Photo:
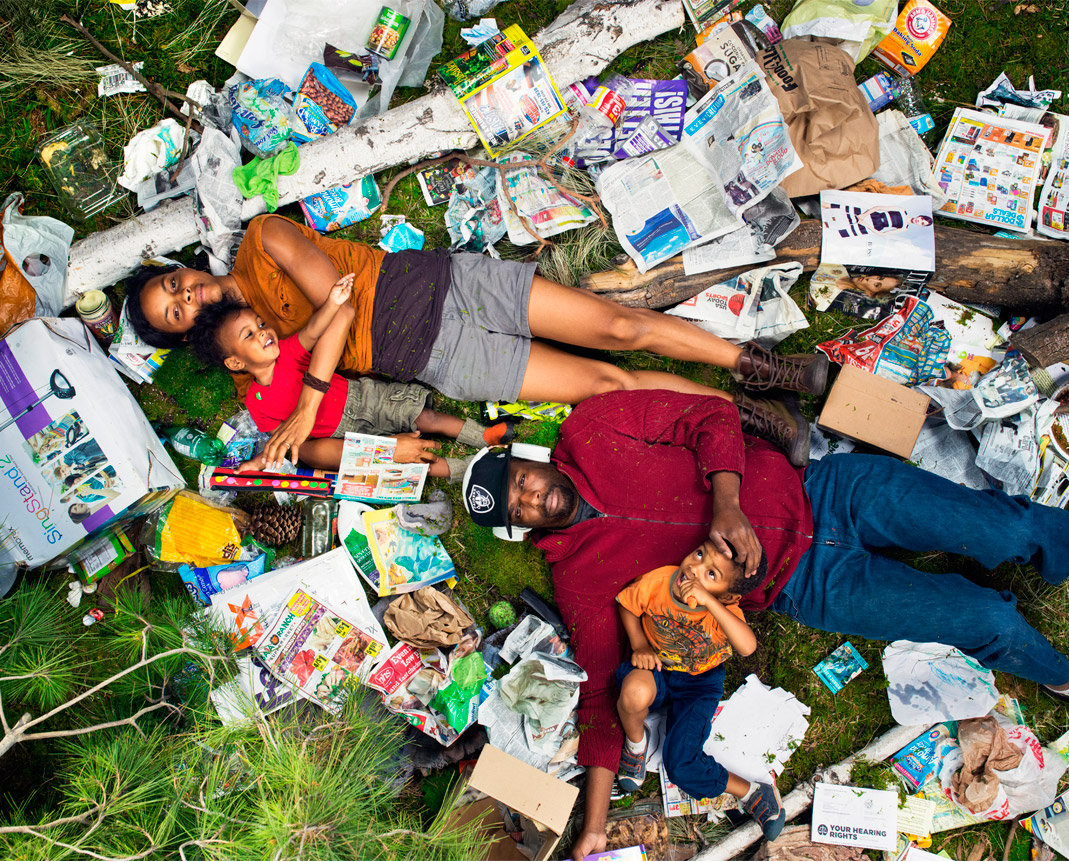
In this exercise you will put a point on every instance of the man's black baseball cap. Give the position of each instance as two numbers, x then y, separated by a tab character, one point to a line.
486	488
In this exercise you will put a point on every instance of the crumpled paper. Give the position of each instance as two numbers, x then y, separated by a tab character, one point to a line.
149	152
427	619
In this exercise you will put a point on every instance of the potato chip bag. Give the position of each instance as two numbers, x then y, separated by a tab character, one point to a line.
919	31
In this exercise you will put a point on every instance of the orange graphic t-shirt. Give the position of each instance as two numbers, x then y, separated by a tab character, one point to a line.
686	640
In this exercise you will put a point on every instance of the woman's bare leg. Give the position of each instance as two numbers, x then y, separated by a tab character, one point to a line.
553	375
574	316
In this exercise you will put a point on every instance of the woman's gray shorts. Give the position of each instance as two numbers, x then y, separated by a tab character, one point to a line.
381	407
484	342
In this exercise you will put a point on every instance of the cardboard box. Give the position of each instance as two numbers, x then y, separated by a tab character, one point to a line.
543	802
871	409
71	465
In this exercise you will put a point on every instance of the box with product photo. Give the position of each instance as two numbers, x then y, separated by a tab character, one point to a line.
871	409
538	805
76	452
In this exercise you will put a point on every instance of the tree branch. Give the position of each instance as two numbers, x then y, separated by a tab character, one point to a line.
82	818
130	720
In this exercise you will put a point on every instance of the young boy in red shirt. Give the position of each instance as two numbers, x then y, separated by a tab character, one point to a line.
231	335
683	623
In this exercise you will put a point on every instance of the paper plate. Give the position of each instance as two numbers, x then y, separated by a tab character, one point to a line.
1059	426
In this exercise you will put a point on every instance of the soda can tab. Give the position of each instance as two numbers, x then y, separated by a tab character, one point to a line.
387	33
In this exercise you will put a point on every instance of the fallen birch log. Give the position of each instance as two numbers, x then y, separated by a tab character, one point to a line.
582	41
799	799
1027	276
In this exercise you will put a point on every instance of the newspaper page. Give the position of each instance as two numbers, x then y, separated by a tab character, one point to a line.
874	248
767	224
1054	199
318	652
135	358
541	205
253	693
504	88
664	202
737	130
368	472
988	167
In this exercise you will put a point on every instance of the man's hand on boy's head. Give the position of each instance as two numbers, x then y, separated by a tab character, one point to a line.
646	658
730	525
342	289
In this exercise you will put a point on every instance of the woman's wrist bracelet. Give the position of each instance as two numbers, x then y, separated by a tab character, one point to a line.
315	383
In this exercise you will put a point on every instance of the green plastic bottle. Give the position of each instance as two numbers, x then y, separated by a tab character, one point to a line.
193	444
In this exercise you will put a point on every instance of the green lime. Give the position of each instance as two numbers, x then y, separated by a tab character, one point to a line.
502	615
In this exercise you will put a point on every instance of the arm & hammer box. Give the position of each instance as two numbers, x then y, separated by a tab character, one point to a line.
543	805
71	462
871	409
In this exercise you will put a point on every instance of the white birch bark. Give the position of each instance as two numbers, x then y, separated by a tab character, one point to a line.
582	41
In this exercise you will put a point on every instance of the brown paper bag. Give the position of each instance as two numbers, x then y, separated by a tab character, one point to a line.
427	619
830	122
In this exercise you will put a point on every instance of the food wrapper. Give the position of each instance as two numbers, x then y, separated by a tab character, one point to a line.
341	206
919	31
552	410
365	66
191	530
322	103
261	114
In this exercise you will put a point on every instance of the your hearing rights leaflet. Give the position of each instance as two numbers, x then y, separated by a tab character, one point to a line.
855	817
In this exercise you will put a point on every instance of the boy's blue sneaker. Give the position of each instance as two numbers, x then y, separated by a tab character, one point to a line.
763	805
632	767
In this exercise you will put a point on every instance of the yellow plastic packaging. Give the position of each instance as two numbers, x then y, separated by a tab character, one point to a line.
192	530
918	32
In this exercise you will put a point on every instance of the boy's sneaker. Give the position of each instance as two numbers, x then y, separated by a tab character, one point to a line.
763	805
632	767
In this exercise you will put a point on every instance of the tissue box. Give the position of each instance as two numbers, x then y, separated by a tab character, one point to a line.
70	466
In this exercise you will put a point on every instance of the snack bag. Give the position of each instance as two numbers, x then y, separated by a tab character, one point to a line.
322	103
919	31
261	114
191	530
341	206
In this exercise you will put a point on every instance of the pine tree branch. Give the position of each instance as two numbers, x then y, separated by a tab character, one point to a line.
130	720
82	818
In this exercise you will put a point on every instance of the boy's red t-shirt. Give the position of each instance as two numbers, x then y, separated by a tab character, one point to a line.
687	640
271	405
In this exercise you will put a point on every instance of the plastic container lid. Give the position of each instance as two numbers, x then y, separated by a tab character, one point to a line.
79	168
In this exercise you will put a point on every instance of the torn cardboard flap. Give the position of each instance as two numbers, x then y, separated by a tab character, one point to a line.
523	788
871	409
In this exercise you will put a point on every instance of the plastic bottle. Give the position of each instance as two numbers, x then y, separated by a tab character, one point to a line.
193	444
908	100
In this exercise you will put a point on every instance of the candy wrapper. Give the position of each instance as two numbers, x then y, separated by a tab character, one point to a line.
341	206
365	66
402	236
261	114
322	103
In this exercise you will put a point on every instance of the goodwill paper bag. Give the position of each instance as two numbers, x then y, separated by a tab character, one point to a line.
830	123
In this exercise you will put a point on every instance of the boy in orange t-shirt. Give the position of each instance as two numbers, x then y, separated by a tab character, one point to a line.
683	623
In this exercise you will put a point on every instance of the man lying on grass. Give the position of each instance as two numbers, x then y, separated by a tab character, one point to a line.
639	479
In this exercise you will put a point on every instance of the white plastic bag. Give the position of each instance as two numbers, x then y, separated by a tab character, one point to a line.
39	245
931	682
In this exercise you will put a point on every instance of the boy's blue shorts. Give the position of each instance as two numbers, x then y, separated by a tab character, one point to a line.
678	685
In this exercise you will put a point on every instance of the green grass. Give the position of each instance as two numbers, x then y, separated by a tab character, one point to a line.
46	81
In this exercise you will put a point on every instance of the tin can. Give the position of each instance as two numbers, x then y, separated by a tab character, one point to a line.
96	311
387	33
605	106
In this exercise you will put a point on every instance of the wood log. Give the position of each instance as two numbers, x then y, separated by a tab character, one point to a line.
581	41
1046	343
1026	276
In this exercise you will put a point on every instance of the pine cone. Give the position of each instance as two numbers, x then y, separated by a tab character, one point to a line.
274	525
